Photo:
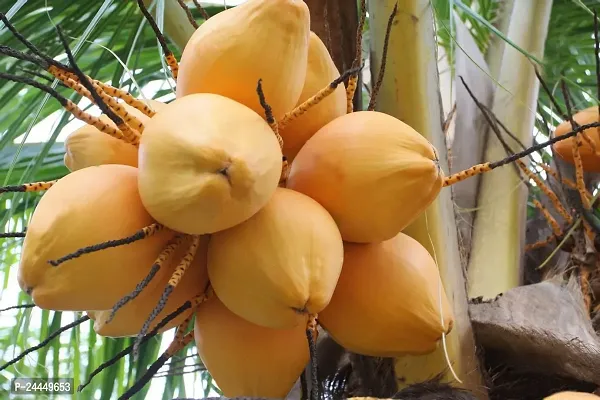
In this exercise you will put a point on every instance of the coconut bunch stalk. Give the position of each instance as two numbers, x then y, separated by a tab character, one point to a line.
197	204
88	146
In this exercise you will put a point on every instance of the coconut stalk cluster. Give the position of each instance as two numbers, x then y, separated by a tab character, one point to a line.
257	189
258	197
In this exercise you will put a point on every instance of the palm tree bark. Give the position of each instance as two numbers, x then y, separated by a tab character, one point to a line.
499	227
336	22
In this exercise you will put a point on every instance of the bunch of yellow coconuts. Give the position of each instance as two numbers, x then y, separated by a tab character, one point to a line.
326	241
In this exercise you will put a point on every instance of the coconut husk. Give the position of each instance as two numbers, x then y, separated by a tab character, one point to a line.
541	328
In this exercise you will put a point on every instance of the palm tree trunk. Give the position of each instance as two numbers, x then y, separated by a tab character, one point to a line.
499	229
335	22
410	92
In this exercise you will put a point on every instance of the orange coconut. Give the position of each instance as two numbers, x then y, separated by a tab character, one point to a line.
372	172
321	71
280	265
87	146
86	207
207	163
258	39
564	148
568	395
248	360
389	300
129	319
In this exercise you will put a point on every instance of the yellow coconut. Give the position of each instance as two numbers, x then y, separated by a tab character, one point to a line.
207	163
564	148
280	265
321	72
572	396
258	39
129	319
86	207
248	360
389	300
372	172
87	146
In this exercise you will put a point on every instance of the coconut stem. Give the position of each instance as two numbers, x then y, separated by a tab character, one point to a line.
201	9
549	218
317	98
139	235
130	135
85	81
12	235
386	42
161	259
29	187
540	183
353	80
173	65
304	387
108	89
540	243
311	330
193	304
55	68
18	307
188	13
565	181
29	45
169	57
585	208
577	143
268	112
126	97
488	166
45	342
275	127
16	54
68	105
173	348
172	284
547	191
129	120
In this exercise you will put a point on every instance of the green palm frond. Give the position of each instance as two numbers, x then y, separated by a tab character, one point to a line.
473	12
569	52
